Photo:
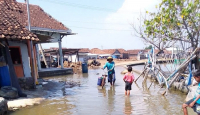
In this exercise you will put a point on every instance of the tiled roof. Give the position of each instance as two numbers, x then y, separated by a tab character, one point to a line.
10	27
122	51
84	50
39	18
97	51
133	51
109	51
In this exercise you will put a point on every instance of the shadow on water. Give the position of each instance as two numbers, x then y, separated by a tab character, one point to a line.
90	99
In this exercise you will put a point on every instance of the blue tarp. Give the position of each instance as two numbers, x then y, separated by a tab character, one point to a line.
189	79
4	76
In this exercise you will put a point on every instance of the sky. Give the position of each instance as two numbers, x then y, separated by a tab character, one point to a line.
104	24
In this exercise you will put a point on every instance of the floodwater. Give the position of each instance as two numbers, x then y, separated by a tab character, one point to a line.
89	99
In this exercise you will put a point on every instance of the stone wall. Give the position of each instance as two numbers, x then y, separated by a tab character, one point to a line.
26	83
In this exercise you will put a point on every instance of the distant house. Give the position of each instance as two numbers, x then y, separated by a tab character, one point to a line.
100	53
113	52
83	54
133	54
124	53
117	53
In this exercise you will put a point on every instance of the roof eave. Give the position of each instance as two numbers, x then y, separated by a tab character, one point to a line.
62	32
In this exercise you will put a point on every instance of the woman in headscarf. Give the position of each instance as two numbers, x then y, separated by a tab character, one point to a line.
110	65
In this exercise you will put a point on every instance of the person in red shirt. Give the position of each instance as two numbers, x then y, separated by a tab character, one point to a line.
128	79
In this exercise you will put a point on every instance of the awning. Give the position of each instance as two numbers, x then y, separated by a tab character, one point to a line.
65	51
62	32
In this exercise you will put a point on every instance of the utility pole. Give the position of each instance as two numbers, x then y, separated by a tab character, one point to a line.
31	42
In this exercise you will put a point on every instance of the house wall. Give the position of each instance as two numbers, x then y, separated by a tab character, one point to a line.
133	56
125	56
82	58
25	57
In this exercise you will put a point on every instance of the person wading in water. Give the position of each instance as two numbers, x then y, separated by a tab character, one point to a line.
110	65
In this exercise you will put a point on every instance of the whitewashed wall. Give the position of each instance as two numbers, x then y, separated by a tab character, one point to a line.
81	58
25	57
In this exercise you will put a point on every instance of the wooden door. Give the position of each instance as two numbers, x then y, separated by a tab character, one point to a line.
15	53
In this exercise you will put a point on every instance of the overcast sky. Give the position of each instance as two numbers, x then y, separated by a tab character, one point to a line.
98	23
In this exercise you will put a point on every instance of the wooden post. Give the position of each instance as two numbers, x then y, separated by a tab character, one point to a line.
58	58
35	64
44	59
38	57
60	52
30	58
77	56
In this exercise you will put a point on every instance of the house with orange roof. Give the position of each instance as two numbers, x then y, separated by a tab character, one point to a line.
133	54
44	29
117	53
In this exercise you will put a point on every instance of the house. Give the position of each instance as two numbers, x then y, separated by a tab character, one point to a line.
18	37
124	53
113	52
83	54
133	54
101	54
14	45
89	55
44	28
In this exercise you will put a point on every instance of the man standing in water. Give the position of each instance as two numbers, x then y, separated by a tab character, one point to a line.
195	102
110	65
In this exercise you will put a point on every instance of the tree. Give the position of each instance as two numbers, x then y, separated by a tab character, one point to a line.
148	47
175	20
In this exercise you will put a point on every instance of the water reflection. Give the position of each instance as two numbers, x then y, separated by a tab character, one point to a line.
128	108
102	91
111	99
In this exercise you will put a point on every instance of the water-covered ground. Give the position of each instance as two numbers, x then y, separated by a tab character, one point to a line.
89	99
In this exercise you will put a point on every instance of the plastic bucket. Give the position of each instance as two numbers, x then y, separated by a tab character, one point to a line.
4	76
84	68
99	81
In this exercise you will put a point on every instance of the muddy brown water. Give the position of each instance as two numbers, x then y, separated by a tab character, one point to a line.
89	99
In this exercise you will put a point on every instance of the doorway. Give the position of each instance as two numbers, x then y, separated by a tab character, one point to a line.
15	53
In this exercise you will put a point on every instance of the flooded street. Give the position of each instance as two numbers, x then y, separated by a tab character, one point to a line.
90	99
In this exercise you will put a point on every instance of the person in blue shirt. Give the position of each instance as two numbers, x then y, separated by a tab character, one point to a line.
195	102
110	65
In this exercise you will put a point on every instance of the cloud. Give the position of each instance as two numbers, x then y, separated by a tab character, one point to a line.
130	13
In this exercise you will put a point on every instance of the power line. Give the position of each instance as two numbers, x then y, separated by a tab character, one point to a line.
98	28
86	6
96	22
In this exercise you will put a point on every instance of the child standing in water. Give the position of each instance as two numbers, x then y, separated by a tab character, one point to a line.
128	79
110	65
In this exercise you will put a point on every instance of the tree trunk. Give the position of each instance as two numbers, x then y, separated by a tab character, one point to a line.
196	60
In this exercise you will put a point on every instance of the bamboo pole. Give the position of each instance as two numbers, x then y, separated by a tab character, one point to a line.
45	62
141	74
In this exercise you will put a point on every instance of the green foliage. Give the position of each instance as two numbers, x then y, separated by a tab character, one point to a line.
148	47
175	20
